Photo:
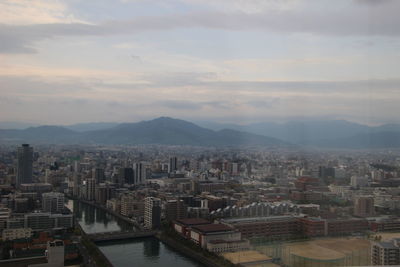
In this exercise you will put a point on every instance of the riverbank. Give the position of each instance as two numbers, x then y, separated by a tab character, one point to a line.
192	250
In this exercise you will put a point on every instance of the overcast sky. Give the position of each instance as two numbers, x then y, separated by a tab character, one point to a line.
71	61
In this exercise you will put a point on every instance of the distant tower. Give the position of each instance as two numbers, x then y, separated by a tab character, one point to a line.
173	164
24	165
152	212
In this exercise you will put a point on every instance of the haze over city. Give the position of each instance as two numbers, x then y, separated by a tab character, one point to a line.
64	62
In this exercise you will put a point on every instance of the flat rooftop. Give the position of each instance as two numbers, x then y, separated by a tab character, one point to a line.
193	221
259	219
212	227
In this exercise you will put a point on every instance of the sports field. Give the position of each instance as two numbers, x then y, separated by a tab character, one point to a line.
321	252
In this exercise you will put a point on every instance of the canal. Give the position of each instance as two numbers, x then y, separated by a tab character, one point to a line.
139	252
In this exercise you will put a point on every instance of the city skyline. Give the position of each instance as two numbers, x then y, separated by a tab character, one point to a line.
236	61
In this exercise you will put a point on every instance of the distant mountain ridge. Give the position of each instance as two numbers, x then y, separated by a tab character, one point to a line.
331	133
163	130
168	131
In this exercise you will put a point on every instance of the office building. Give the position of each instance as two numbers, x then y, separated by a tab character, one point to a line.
140	173
98	175
24	165
173	164
53	202
90	189
152	212
175	209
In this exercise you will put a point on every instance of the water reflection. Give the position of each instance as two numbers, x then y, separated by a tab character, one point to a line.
149	252
95	220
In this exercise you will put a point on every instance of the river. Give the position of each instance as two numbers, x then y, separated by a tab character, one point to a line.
139	252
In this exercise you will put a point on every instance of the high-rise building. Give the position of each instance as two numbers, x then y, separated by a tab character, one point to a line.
140	173
175	209
152	212
128	176
53	202
98	175
90	189
364	206
24	165
77	184
173	164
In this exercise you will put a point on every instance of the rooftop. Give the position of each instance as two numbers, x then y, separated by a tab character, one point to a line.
193	221
213	227
259	219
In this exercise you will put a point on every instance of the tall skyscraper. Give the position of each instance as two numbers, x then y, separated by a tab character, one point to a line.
173	164
152	212
24	165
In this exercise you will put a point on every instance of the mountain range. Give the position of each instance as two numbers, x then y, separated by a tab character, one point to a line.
163	130
168	131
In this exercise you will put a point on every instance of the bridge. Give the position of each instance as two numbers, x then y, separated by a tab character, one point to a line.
118	235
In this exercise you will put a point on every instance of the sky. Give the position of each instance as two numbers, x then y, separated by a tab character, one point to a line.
236	61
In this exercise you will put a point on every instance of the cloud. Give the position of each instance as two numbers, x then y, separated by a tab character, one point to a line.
332	21
25	12
75	99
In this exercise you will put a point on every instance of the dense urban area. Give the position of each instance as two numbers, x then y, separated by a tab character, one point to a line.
219	206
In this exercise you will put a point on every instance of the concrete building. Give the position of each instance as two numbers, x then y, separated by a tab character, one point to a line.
272	226
175	209
140	173
364	206
203	234
152	212
385	253
24	165
55	253
173	164
39	221
98	175
132	207
53	202
90	189
358	181
38	188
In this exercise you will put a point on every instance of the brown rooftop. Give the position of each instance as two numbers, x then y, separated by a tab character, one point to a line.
192	221
212	227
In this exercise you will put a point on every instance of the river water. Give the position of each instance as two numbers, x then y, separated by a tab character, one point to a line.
139	252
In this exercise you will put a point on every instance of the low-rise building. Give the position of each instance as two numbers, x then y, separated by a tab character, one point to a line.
11	234
272	226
